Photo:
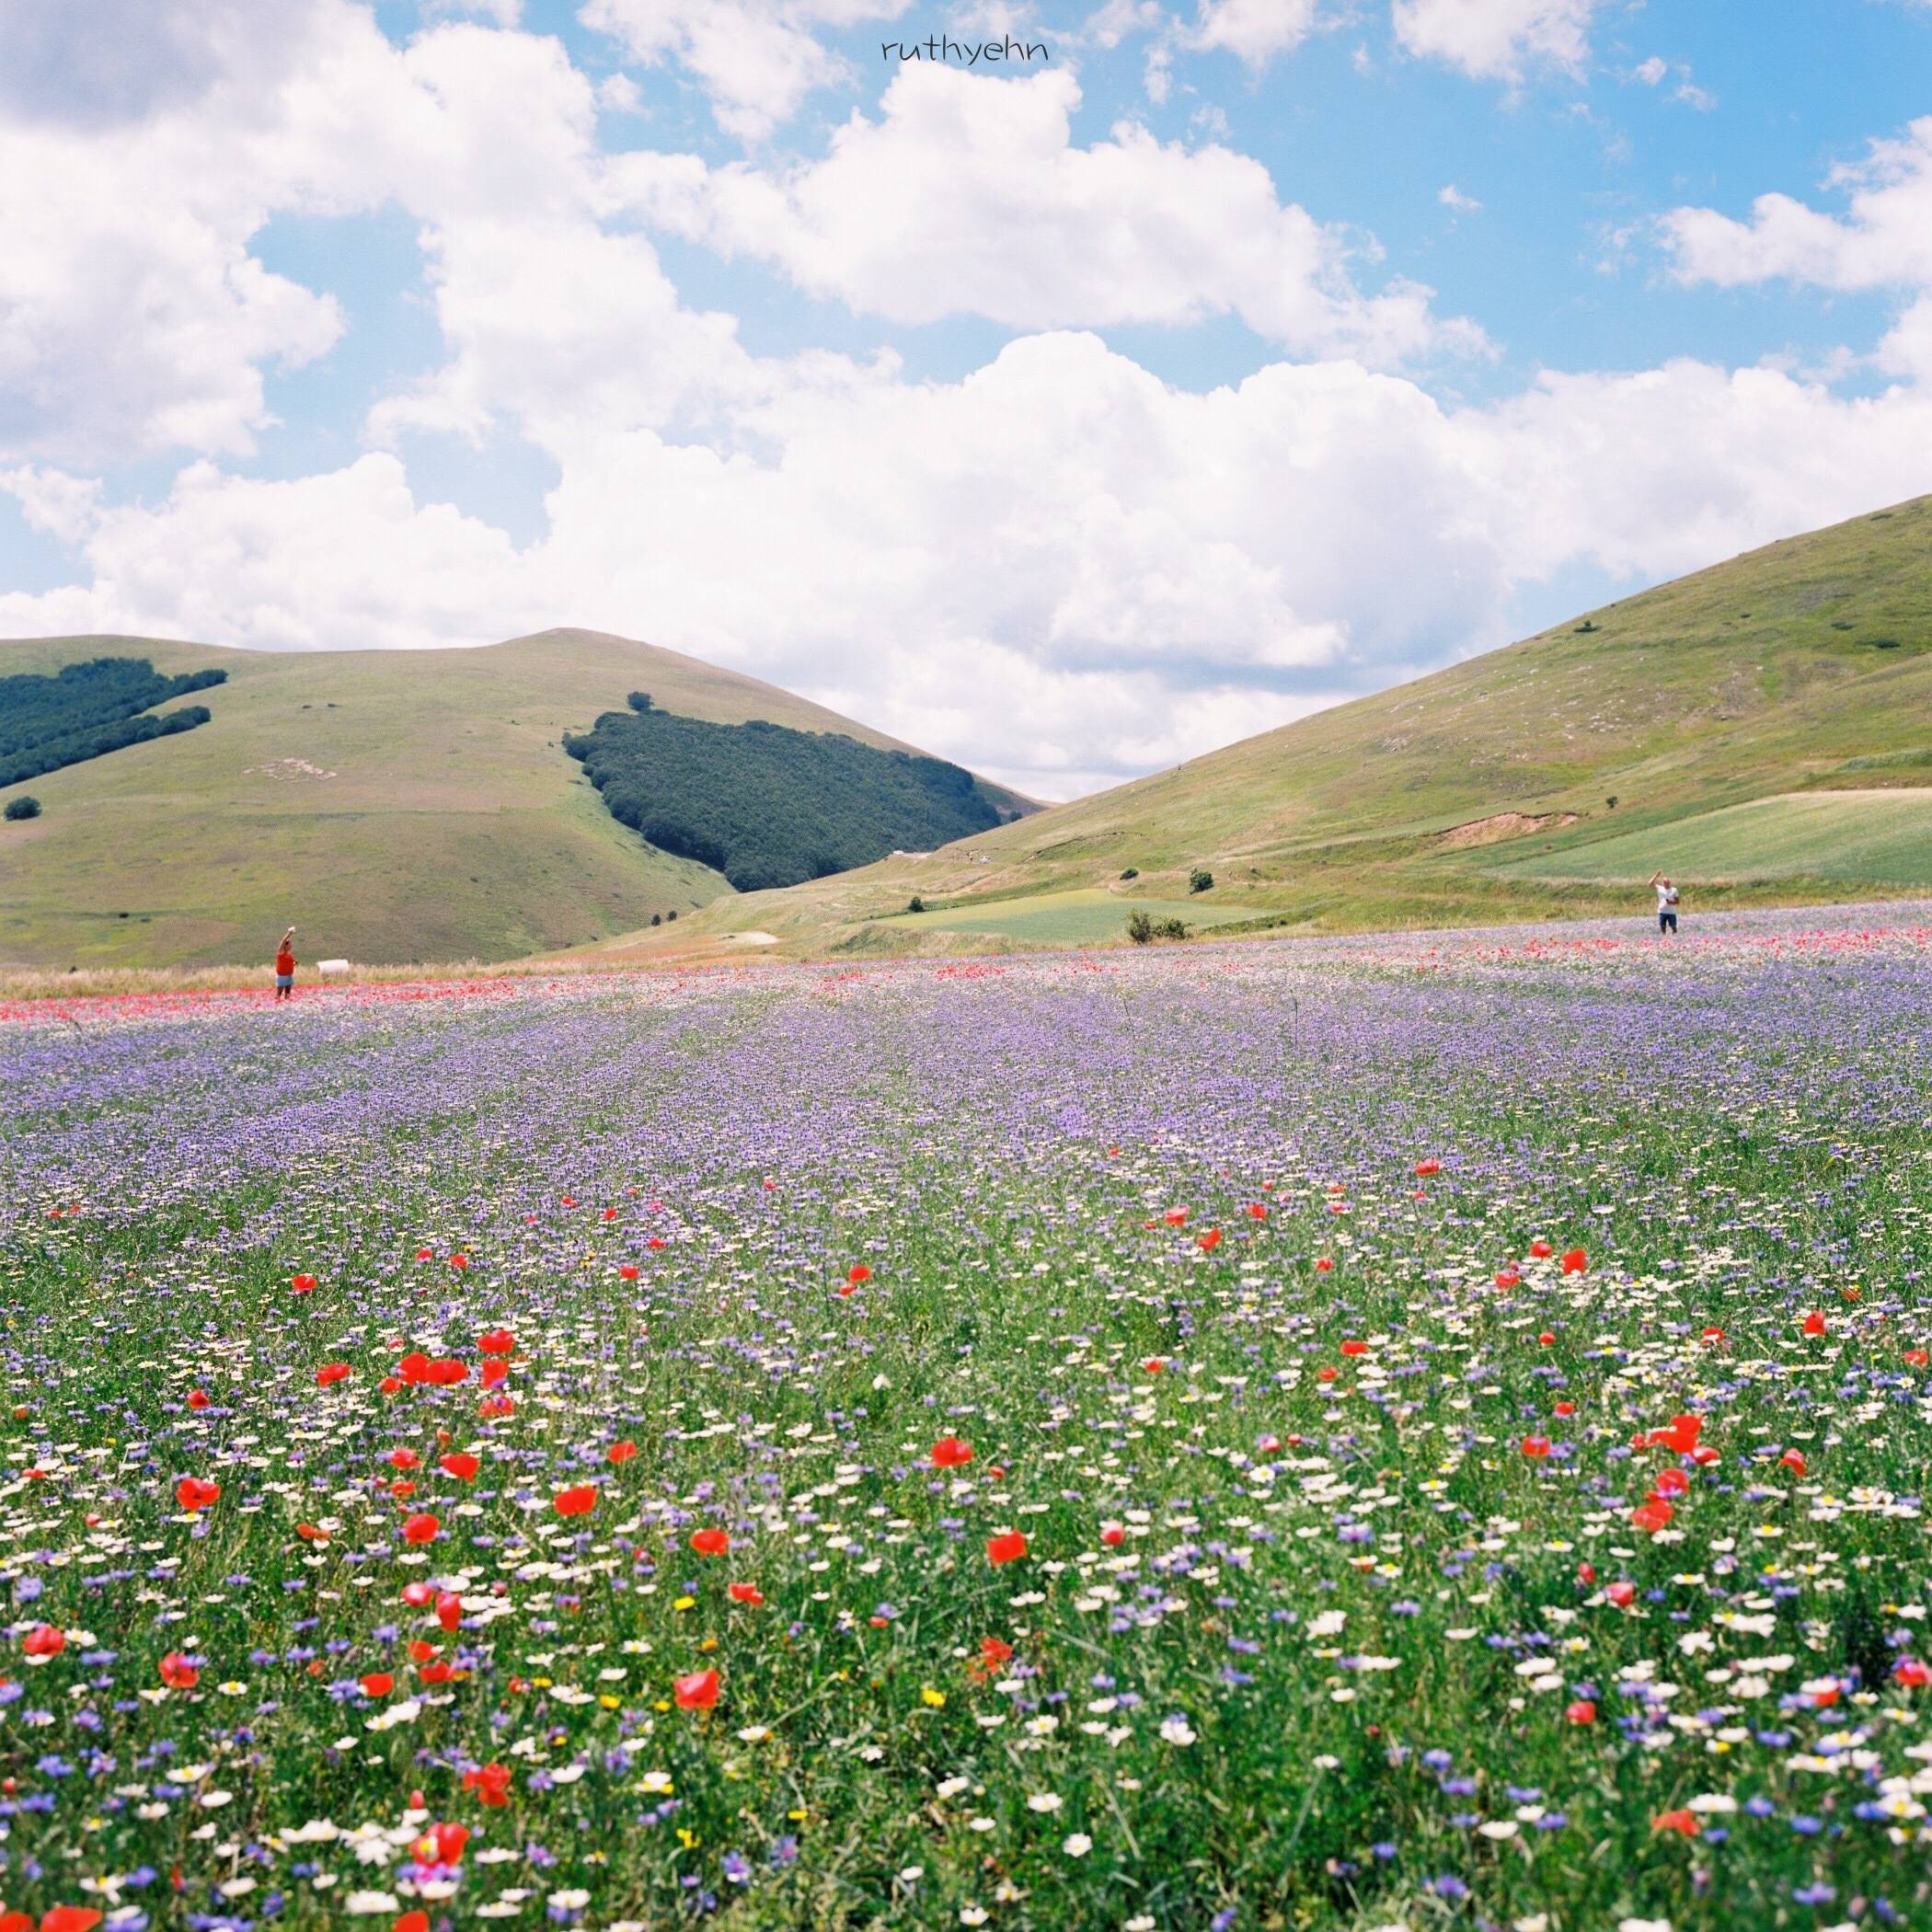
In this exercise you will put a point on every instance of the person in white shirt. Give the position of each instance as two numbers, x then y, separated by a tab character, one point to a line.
1666	903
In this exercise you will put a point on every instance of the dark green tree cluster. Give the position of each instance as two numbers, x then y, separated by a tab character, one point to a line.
88	709
770	806
1144	926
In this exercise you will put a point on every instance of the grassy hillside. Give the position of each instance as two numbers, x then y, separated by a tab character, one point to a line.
396	805
1482	792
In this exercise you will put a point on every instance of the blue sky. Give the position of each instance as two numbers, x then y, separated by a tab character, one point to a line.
1068	417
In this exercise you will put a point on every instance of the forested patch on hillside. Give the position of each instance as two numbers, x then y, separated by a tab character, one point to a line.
88	709
770	806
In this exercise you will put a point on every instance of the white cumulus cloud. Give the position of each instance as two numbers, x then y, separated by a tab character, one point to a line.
1882	240
1496	40
970	196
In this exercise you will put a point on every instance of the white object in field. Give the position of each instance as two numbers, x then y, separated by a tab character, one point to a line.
329	969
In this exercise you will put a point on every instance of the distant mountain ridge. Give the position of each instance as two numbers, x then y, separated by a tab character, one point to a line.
395	805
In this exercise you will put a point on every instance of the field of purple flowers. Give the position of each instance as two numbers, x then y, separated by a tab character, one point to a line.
1404	1434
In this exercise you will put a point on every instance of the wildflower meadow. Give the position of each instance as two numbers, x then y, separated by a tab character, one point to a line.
1406	1433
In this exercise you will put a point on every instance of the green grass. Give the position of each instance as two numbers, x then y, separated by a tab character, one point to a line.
1077	918
452	824
1863	837
1802	665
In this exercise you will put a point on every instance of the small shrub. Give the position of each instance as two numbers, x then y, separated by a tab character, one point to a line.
24	807
1170	929
657	918
1610	803
1200	879
672	913
640	702
1132	872
916	903
1140	927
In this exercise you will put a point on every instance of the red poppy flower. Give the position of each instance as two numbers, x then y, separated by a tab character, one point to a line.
1429	1167
198	1398
1586	1574
1113	1534
1176	1217
420	1528
1793	1460
1814	1323
1546	1339
44	1640
1712	1336
490	1783
1323	1265
414	1920
378	1684
1918	1358
747	1593
420	1651
1536	1446
459	1263
449	1610
496	1341
858	1272
626	1270
416	1594
1542	1251
492	1406
1582	1712
425	1254
951	1453
179	1672
1677	1821
696	1691
711	1542
1565	1408
620	1451
461	1465
1153	1365
1007	1549
310	1533
404	1459
1208	1240
331	1373
1670	1482
194	1492
1256	1212
1576	1262
70	1918
1507	1278
1909	1672
994	1651
302	1283
1355	1347
1622	1594
578	1500
610	1214
495	1370
1653	1516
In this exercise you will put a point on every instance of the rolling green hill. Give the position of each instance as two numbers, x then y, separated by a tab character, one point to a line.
1798	675
396	805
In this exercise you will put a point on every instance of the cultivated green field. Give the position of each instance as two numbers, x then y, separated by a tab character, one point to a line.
1079	918
1882	836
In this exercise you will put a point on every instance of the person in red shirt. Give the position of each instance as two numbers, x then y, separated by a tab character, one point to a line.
285	966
